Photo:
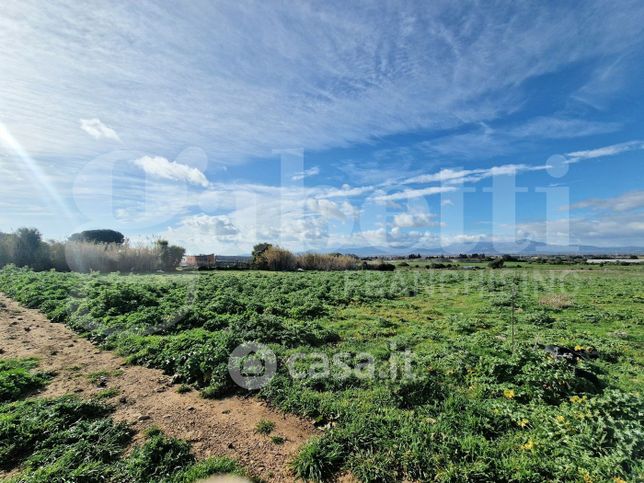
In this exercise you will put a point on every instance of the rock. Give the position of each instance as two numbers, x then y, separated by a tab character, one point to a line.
102	382
143	417
1	350
27	329
123	399
160	389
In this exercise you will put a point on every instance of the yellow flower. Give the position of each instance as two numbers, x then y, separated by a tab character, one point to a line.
576	399
523	423
579	347
617	479
587	478
529	446
508	393
560	419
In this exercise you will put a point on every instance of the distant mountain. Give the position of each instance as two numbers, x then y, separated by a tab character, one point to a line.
521	247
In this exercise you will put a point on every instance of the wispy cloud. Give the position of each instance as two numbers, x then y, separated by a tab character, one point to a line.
624	202
218	88
314	171
413	193
162	168
611	150
98	130
460	176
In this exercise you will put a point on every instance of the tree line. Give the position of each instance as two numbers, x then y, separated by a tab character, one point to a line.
270	257
87	251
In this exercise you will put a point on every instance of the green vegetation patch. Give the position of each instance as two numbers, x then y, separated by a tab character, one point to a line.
528	373
17	378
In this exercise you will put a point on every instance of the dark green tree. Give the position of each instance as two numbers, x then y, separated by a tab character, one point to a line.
99	236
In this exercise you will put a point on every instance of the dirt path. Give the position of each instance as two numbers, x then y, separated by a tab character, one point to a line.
146	397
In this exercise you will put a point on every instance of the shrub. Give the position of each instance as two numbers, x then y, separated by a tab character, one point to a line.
496	263
326	262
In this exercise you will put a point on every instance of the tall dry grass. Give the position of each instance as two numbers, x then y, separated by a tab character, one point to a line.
326	262
98	257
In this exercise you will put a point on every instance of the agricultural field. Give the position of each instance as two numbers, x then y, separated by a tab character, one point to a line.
519	374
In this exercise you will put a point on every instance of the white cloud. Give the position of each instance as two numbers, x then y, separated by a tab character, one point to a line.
306	173
202	233
558	128
98	130
611	150
162	168
621	230
625	202
459	176
413	193
414	220
220	89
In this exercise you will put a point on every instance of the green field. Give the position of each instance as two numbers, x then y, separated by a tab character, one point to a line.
433	375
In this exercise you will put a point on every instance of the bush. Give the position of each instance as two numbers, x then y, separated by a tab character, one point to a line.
496	263
326	262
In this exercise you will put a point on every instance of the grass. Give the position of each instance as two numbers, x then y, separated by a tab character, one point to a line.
264	426
485	402
184	388
69	439
17	378
276	439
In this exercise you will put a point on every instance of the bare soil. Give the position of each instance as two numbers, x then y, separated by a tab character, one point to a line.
146	397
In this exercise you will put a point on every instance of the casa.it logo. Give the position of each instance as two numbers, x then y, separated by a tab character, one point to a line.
252	365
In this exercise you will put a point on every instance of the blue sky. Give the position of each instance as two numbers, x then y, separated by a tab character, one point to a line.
405	125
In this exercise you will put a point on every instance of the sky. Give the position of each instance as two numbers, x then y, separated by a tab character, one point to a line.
400	126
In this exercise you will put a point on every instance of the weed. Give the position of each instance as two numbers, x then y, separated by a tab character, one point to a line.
278	439
264	426
17	378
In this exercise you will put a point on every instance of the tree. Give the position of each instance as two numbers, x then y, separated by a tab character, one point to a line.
4	254
496	263
25	248
98	236
259	261
169	255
